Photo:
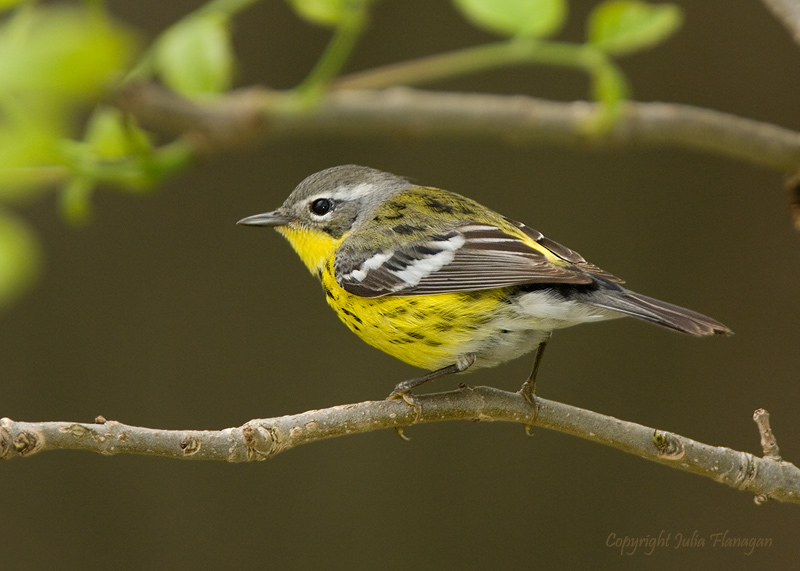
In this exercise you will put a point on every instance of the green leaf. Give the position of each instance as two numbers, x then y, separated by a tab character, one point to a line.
106	134
519	18
322	12
624	26
195	57
51	60
27	143
20	258
110	136
61	52
75	201
6	4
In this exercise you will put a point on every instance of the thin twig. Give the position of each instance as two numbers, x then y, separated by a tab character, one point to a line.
792	186
260	439
769	445
403	112
473	59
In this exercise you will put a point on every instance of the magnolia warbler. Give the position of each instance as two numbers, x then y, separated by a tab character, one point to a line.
443	283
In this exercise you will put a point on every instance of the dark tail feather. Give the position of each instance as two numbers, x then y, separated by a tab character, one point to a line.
661	313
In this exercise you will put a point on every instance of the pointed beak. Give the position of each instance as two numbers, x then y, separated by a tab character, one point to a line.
274	218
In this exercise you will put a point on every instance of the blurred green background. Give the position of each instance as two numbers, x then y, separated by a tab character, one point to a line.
163	313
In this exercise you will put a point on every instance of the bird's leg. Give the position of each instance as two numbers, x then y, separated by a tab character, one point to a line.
403	390
529	386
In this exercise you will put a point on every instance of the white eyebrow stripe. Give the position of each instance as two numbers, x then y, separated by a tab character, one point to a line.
351	192
344	193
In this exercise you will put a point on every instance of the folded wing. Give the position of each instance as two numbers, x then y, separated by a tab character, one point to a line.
472	256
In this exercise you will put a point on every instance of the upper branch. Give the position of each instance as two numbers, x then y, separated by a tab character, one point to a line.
768	477
788	12
259	112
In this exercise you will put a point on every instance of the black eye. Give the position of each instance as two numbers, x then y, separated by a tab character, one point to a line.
321	206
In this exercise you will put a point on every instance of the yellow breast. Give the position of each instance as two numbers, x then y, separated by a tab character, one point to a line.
429	331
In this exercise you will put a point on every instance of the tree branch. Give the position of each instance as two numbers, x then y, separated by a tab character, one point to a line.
258	112
260	439
788	12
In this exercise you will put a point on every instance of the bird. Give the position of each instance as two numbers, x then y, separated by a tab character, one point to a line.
445	284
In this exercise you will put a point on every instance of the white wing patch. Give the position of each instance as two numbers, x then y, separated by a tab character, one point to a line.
409	273
372	263
423	267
